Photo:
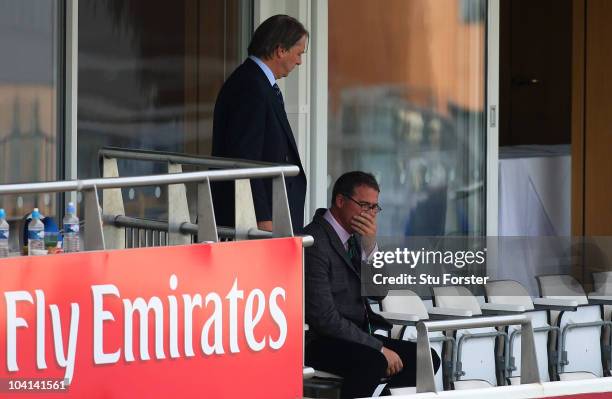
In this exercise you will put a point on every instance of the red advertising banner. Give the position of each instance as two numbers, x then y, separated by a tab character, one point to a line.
208	320
600	395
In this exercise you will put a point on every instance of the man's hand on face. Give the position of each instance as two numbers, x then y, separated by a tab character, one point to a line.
365	225
394	363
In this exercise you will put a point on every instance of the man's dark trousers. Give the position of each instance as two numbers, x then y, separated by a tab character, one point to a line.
361	366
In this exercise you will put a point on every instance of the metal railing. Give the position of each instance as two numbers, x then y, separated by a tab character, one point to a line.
133	232
206	229
425	371
155	232
177	158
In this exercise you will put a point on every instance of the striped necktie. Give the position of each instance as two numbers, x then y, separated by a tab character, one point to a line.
278	94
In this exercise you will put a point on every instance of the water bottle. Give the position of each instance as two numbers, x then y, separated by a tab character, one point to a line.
36	234
71	230
4	235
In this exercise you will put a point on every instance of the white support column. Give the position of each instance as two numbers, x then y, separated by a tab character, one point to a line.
319	103
492	193
71	90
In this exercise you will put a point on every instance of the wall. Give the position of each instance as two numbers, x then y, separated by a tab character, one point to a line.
598	120
592	119
592	131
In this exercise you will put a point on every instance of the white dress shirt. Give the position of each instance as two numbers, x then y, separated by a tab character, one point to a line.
266	69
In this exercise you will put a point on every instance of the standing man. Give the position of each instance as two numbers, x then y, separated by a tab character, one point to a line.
250	121
340	339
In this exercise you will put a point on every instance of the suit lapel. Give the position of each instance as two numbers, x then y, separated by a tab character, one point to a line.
276	105
336	243
282	117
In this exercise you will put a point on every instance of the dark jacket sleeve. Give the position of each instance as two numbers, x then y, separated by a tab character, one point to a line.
322	315
247	123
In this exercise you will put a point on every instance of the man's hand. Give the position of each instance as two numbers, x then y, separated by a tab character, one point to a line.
365	225
394	363
265	225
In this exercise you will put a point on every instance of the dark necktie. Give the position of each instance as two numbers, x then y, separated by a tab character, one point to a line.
278	94
354	252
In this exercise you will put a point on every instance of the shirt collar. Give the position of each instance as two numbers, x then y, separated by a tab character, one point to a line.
342	233
266	69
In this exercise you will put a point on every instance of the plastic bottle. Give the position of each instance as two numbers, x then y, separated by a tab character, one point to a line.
36	233
4	235
71	230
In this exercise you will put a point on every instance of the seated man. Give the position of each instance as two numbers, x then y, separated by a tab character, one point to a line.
340	339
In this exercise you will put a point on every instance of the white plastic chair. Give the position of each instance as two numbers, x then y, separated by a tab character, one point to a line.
579	345
602	283
513	293
408	305
478	369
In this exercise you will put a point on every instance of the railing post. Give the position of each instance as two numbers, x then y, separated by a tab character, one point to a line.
425	381
178	209
425	372
529	361
281	216
94	238
207	226
112	204
244	210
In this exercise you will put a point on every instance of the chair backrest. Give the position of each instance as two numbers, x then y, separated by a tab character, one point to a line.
562	286
508	292
581	345
475	353
514	293
456	298
404	301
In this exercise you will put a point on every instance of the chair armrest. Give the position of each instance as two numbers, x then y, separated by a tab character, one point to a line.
501	309
595	299
400	319
554	304
438	313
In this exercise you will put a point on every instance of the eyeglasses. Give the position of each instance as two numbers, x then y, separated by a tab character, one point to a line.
365	206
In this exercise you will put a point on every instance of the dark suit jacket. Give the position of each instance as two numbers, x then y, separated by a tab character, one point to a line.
334	305
250	123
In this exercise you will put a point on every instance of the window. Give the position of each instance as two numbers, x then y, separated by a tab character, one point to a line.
30	44
149	74
406	103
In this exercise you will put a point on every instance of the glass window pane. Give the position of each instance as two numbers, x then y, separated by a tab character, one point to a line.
149	73
29	43
406	103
